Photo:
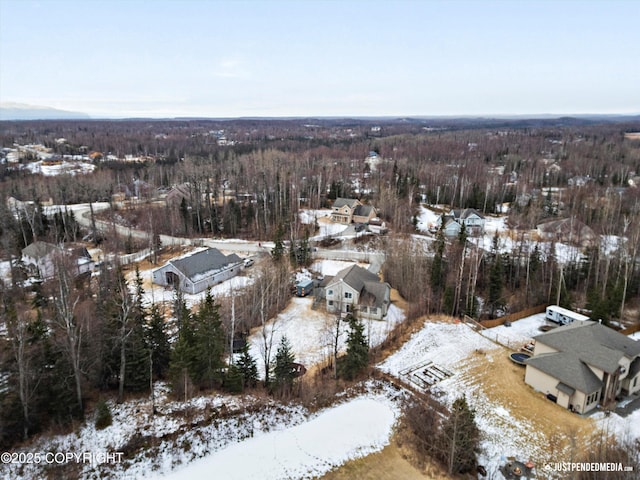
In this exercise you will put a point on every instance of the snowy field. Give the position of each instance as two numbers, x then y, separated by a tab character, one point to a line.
519	333
457	348
304	451
283	441
450	345
69	168
311	332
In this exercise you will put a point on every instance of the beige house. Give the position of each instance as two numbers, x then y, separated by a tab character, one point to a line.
357	290
570	230
349	210
584	364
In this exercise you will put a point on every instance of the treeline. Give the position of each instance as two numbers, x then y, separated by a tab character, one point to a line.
70	342
459	278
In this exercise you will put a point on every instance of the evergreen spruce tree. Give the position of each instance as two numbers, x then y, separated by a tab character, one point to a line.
460	438
233	381
357	356
278	244
284	368
209	342
248	367
158	341
103	415
183	359
137	364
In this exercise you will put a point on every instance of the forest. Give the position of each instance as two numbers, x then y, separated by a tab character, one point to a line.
70	340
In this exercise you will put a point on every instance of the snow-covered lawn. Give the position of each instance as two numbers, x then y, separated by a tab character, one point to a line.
310	332
519	333
509	427
427	219
351	430
64	167
450	346
332	267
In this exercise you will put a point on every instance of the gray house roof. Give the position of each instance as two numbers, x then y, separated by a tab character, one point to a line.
372	291
466	213
39	250
341	202
592	343
363	210
568	369
203	262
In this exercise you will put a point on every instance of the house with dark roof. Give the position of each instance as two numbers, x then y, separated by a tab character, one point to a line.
198	271
350	210
584	364
356	289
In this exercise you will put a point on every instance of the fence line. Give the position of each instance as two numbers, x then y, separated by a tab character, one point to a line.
514	317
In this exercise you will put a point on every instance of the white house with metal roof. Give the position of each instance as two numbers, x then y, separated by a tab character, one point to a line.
584	364
198	271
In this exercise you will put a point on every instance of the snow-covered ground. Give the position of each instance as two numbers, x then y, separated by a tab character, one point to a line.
351	430
451	346
182	441
5	272
311	332
507	244
154	293
64	167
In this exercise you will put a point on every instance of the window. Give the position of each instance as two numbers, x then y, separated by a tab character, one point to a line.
347	308
635	382
373	310
330	293
331	303
348	295
363	309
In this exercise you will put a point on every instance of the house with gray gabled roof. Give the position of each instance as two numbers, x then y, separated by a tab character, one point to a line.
198	271
42	259
349	210
355	289
584	364
472	220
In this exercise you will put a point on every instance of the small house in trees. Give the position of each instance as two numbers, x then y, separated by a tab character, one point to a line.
349	210
40	258
355	289
472	220
198	271
584	364
567	230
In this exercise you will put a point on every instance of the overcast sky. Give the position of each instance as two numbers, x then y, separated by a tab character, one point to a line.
154	58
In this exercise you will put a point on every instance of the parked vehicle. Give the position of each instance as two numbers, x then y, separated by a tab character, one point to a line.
563	316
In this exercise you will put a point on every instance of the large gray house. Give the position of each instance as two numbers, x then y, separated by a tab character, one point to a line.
198	271
355	289
584	364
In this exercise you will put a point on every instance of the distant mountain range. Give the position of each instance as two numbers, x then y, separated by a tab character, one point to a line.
21	111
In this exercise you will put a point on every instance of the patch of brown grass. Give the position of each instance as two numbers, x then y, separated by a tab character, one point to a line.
502	381
391	463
